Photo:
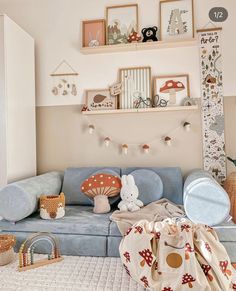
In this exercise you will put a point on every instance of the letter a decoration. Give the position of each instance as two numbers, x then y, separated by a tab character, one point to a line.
212	102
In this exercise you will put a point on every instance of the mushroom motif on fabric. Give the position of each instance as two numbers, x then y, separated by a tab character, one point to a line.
138	229
126	269
234	286
188	250
127	257
167	289
224	268
188	279
128	231
100	187
207	246
171	87
185	227
145	281
147	257
206	269
157	234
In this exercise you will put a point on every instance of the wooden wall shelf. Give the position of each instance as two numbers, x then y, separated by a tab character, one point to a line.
142	110
137	47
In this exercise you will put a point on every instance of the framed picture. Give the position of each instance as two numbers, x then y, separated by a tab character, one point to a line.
176	20
100	99
136	88
94	33
172	89
121	21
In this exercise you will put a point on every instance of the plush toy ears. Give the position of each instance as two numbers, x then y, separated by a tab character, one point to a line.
124	180
154	27
130	180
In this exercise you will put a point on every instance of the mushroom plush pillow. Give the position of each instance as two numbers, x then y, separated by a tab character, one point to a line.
100	187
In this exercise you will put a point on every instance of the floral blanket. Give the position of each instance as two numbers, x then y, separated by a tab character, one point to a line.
176	254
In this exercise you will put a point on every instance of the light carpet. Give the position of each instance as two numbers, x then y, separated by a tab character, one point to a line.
73	273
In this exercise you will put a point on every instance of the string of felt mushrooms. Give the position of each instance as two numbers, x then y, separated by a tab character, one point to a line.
167	139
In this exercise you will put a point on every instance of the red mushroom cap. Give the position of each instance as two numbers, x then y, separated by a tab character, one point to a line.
146	147
172	85
101	184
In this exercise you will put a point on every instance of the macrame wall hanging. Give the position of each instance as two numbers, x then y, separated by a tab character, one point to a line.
64	80
212	102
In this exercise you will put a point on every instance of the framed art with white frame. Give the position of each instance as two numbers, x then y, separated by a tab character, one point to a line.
94	33
121	21
136	88
176	20
100	99
172	89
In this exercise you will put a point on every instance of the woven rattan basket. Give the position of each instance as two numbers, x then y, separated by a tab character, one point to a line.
7	243
230	188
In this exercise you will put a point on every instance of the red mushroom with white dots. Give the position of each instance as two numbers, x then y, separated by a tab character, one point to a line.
100	187
188	250
171	87
147	257
188	279
224	268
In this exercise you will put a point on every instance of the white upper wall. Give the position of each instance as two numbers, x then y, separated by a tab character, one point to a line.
56	27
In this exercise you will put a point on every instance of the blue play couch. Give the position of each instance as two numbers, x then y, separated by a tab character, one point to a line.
81	232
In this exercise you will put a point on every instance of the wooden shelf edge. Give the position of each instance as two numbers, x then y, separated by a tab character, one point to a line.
144	110
137	46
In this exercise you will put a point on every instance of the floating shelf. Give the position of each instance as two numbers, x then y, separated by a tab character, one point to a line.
142	110
141	46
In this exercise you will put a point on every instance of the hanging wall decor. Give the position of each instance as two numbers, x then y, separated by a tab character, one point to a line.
64	80
177	21
212	102
136	88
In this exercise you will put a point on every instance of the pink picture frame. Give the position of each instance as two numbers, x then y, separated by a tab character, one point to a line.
94	33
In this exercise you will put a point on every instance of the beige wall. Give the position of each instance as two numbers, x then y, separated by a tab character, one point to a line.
63	139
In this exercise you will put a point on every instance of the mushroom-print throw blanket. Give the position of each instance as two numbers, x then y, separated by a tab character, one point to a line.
174	254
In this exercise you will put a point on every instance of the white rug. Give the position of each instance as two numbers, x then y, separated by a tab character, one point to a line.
73	273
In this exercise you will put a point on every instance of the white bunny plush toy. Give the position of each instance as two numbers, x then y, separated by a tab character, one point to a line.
129	195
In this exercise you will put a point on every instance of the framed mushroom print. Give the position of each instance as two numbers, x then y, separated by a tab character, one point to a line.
94	33
136	88
100	99
172	89
176	20
121	21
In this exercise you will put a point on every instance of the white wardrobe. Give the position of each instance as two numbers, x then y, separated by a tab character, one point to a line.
17	103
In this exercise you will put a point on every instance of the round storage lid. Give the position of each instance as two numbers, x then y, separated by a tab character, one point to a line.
206	202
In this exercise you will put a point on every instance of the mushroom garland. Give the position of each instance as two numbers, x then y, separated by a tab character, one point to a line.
145	148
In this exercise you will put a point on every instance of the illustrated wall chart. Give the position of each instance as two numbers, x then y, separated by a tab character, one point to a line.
212	102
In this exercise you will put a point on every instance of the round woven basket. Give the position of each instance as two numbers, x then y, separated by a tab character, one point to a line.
230	188
7	243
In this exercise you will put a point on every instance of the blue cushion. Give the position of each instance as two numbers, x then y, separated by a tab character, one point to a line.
172	180
73	179
205	201
20	199
149	184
